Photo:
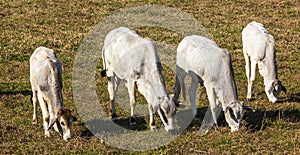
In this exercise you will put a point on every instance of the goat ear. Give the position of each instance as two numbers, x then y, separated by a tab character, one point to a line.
271	89
73	118
60	112
283	88
227	108
52	121
67	111
176	102
275	82
103	73
247	108
165	106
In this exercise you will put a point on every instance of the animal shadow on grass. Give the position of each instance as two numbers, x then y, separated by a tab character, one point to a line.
122	125
294	97
201	114
98	126
87	134
254	120
118	127
24	93
196	123
141	123
261	118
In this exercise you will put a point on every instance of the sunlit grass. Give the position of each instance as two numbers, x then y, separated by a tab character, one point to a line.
60	25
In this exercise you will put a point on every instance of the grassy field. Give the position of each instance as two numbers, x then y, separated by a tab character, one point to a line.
62	25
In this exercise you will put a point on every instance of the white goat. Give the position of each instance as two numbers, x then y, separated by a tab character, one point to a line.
46	84
127	56
211	66
259	48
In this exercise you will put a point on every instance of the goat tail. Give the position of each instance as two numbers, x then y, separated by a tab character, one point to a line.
103	72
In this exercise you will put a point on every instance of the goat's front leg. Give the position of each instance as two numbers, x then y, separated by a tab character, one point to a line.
53	116
132	98
45	113
165	122
179	84
192	94
152	123
34	100
213	105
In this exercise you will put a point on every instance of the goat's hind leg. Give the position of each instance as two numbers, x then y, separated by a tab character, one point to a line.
251	79
152	123
248	73
213	105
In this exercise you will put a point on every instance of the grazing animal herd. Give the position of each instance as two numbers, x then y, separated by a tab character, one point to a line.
127	56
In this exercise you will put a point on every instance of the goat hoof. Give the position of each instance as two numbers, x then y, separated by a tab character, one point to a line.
47	134
114	117
132	127
132	123
196	118
153	128
132	120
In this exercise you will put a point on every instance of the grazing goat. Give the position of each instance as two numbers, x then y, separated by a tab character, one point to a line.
259	48
127	56
46	84
210	66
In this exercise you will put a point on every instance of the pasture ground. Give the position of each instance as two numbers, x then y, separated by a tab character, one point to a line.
62	25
